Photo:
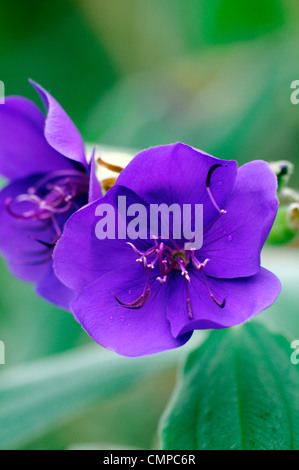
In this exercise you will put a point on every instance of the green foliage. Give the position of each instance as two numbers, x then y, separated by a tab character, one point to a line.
35	397
50	43
232	102
228	21
31	327
237	391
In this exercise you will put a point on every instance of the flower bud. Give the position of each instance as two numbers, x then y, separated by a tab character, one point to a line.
110	162
283	170
286	225
293	216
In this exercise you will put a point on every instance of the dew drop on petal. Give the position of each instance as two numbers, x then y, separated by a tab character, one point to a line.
110	318
229	238
219	183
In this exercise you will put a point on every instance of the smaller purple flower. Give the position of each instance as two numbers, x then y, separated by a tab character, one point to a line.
143	296
44	161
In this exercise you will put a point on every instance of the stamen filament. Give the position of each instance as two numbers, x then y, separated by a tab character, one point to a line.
217	302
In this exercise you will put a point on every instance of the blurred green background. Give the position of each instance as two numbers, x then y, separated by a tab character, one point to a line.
135	73
215	74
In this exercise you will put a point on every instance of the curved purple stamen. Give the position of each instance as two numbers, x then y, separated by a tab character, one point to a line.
141	300
208	182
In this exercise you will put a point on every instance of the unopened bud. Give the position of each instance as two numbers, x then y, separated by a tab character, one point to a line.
293	216
110	162
283	170
288	195
283	231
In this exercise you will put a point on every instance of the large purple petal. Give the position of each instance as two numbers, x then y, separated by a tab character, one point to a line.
246	297
60	131
23	148
51	289
129	332
177	173
233	244
94	257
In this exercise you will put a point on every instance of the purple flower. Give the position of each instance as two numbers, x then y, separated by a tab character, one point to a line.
44	161
145	296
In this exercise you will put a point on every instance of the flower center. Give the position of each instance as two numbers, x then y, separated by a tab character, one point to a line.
52	195
179	254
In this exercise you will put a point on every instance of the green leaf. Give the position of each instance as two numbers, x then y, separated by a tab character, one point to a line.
239	390
35	397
